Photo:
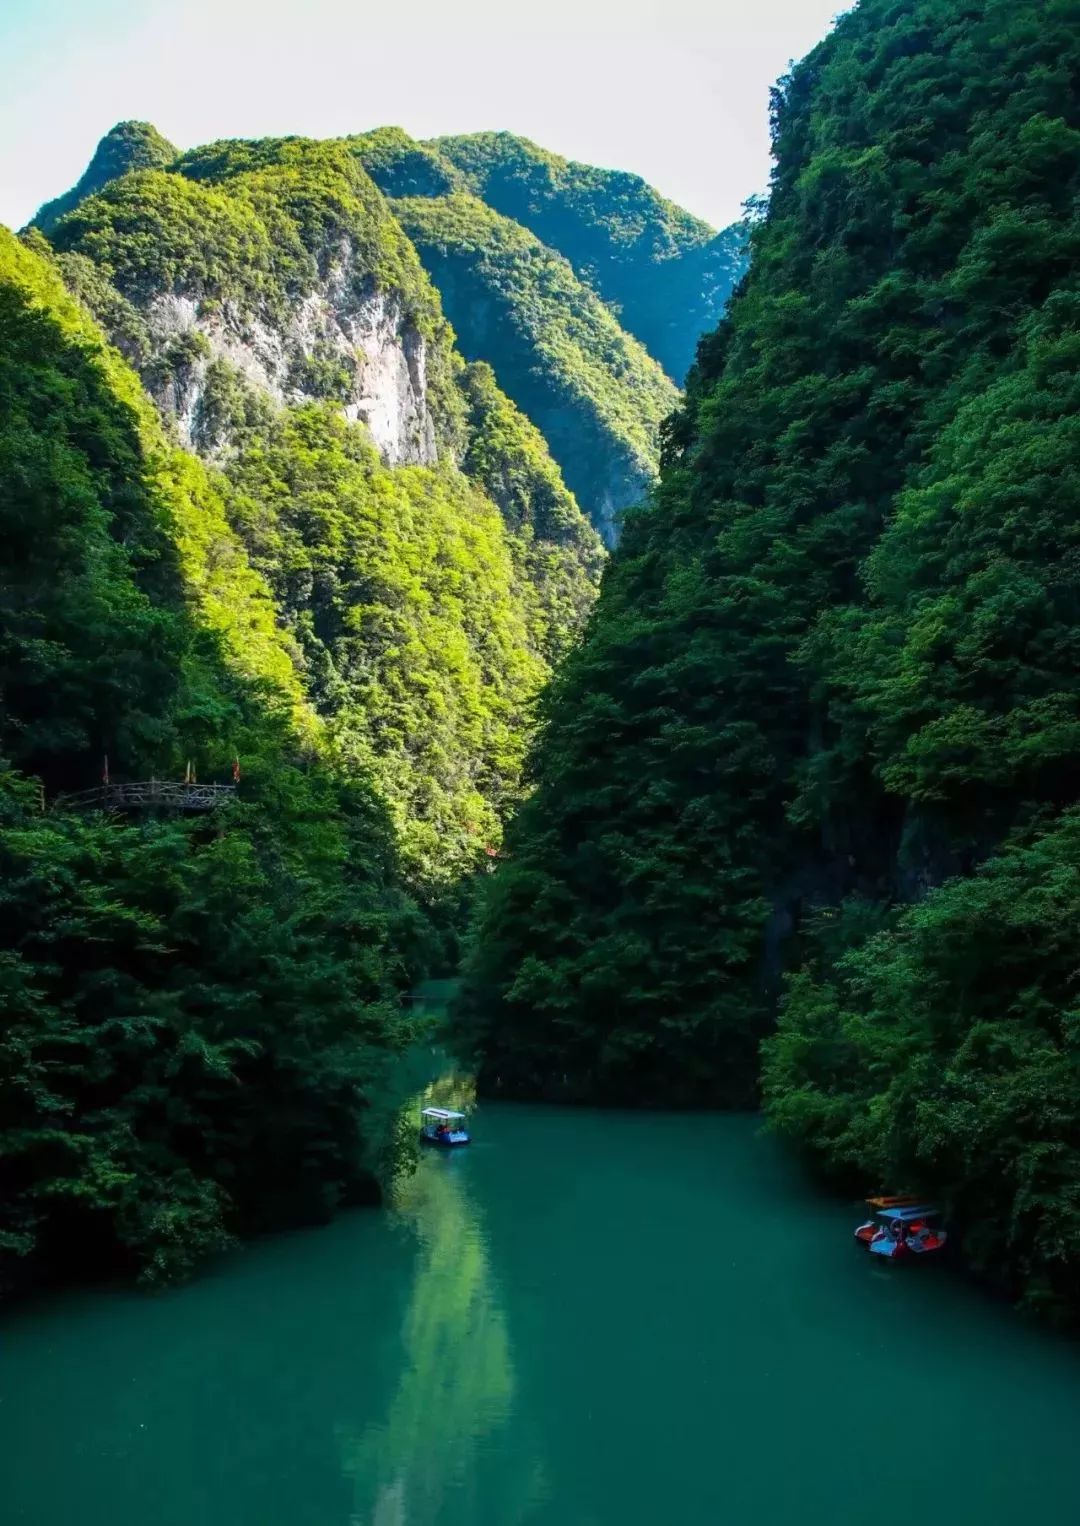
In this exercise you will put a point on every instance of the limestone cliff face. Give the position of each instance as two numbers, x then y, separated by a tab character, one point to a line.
346	340
278	265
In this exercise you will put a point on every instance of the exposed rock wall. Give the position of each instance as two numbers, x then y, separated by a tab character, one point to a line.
347	340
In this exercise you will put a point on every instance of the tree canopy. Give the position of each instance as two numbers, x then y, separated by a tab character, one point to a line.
196	1010
815	753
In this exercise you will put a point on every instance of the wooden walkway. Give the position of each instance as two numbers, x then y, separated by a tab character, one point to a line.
149	794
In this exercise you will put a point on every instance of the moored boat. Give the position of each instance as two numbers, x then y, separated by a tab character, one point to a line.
902	1227
866	1232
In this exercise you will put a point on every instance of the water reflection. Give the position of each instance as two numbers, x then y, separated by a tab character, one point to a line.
419	1467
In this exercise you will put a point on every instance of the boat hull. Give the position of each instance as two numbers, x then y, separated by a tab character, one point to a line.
906	1250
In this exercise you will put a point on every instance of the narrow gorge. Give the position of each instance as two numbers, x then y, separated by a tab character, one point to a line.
539	807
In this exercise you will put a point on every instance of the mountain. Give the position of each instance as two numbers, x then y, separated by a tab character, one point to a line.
591	389
198	1009
127	146
664	273
282	322
816	755
578	290
276	524
556	314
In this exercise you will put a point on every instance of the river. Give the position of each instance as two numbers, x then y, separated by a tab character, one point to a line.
584	1319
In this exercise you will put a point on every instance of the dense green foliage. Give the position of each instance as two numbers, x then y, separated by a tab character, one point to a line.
424	611
592	391
833	673
422	620
666	274
127	146
558	553
411	620
194	1009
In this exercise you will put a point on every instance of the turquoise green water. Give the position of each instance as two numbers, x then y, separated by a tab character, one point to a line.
587	1318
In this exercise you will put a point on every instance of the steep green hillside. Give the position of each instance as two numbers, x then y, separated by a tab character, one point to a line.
412	621
560	554
826	716
275	288
593	392
400	166
195	1009
666	273
255	228
554	314
127	146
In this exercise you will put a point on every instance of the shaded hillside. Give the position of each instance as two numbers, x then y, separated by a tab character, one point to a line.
820	740
666	274
593	392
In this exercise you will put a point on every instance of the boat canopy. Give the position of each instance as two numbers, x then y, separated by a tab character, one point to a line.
439	1112
905	1215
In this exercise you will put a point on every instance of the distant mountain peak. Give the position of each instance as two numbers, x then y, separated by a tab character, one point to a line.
127	146
666	273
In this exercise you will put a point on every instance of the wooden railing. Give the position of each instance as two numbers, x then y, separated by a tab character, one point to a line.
149	794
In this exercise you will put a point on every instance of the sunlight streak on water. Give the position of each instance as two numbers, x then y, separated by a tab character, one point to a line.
457	1385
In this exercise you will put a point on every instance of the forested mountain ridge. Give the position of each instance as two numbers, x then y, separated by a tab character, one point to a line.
565	317
578	286
665	273
590	388
817	750
127	146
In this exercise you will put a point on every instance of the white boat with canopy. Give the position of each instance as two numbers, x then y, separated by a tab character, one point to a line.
441	1126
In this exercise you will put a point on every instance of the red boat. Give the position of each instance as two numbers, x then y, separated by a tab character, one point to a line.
901	1227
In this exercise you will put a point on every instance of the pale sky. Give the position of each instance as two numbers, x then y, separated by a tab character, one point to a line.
674	90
